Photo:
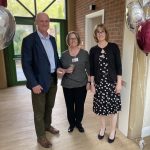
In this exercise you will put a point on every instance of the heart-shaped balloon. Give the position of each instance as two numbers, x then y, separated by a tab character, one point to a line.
143	36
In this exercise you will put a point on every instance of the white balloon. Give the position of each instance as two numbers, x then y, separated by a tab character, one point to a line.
144	2
7	27
146	9
135	15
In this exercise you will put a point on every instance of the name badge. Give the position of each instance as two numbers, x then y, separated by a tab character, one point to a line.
75	59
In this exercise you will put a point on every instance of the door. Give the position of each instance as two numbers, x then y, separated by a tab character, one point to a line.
90	21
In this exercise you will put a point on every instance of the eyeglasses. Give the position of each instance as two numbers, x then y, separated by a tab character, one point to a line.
73	39
101	32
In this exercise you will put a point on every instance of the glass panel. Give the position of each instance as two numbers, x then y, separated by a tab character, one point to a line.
54	30
56	10
21	32
19	71
14	6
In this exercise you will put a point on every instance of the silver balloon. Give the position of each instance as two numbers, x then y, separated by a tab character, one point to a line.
146	9
135	15
7	27
144	2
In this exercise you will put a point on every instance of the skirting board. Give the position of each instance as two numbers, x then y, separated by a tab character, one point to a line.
145	132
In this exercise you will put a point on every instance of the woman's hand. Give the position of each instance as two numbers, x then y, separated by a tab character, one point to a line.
70	69
118	85
88	86
93	88
118	88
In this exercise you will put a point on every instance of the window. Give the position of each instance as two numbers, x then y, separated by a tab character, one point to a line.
25	12
54	8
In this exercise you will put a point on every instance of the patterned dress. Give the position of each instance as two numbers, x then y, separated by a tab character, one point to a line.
105	100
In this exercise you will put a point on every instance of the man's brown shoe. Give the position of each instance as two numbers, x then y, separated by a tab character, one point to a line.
52	130
43	141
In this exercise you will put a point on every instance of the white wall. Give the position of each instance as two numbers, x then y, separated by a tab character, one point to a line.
146	118
127	63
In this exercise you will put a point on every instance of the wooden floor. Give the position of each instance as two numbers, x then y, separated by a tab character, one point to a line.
17	126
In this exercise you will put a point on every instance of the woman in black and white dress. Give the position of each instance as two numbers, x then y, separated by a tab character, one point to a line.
106	72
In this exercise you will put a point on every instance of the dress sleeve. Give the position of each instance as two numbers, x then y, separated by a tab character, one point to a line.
87	64
118	63
91	58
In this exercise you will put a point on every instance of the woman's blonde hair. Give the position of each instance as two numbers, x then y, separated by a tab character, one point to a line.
102	26
77	36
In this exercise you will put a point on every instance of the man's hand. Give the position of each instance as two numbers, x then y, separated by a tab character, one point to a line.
60	72
37	89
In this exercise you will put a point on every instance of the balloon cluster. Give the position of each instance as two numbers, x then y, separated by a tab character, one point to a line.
7	27
138	21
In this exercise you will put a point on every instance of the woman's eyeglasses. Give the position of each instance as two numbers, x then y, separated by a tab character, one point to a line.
72	39
101	32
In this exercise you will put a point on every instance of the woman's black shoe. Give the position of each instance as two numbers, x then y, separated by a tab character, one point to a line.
100	137
111	140
70	129
80	128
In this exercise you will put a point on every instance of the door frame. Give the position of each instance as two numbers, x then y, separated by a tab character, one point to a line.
88	29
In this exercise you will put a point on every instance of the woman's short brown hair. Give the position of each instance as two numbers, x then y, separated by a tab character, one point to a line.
77	36
96	29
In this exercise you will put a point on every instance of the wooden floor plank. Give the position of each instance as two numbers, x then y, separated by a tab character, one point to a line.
17	125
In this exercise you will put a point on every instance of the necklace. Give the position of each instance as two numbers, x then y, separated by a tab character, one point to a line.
102	46
102	53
